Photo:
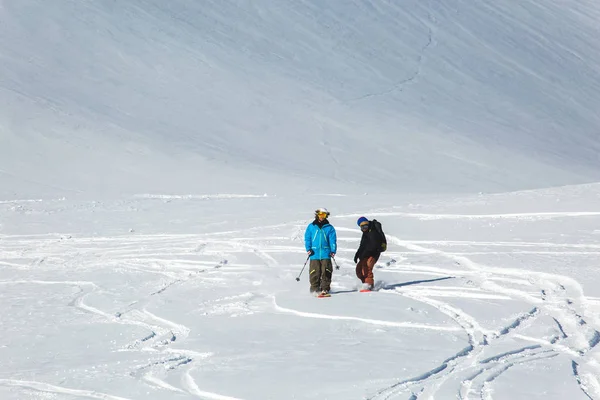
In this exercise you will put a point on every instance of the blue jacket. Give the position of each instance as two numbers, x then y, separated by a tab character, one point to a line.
323	240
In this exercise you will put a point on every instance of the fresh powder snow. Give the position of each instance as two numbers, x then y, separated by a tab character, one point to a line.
161	160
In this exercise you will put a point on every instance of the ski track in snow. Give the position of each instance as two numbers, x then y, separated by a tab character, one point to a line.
553	301
131	255
470	373
191	386
47	388
364	320
534	216
198	196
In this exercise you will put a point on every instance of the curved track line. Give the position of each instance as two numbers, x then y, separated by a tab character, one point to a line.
47	388
179	328
477	338
484	388
424	216
365	320
193	388
562	297
473	243
38	282
159	383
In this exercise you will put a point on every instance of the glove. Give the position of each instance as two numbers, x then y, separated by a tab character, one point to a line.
311	253
332	255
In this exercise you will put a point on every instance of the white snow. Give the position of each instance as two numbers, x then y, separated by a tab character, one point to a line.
159	162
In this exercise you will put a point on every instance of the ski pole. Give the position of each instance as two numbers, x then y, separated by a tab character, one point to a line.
335	262
304	266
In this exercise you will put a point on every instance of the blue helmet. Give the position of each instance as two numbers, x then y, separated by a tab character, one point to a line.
362	221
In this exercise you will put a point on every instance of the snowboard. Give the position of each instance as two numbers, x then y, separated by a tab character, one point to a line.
324	295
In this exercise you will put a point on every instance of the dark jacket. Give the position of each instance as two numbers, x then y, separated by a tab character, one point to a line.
370	244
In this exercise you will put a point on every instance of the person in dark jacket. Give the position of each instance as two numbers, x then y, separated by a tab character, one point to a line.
320	241
368	253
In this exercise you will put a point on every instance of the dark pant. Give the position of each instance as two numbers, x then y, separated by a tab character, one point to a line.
320	274
364	269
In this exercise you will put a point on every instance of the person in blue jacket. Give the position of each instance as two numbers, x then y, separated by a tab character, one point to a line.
320	241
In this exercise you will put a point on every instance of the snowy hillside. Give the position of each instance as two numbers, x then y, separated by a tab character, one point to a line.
160	161
156	96
486	297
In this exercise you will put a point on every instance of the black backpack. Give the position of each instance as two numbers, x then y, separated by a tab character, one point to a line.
382	240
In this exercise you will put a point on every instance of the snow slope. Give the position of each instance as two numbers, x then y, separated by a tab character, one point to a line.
140	96
485	297
159	162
